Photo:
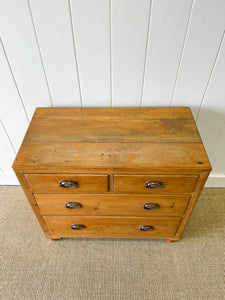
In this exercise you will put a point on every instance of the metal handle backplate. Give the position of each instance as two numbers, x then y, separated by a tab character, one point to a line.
154	184
151	206
77	226
68	184
73	205
146	228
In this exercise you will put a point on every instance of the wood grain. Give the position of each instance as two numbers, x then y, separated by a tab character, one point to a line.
192	203
111	205
135	184
112	226
44	155
49	183
113	125
111	153
32	201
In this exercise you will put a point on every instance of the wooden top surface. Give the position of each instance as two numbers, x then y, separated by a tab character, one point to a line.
107	125
112	138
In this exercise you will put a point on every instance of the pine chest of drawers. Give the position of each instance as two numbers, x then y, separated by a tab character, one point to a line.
112	172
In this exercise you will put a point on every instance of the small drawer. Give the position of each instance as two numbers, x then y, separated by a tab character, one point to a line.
154	184
111	205
68	183
138	227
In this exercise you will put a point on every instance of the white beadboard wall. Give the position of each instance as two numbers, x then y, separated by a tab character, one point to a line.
112	53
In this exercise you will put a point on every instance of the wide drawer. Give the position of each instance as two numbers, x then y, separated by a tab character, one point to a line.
154	184
111	205
67	183
112	226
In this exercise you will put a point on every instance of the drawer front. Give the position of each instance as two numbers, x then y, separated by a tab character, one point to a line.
154	184
111	205
67	183
112	226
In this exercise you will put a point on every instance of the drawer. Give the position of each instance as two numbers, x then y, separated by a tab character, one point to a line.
154	184
68	183
112	226
111	205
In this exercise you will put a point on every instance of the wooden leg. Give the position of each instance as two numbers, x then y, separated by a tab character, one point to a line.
171	241
52	237
55	239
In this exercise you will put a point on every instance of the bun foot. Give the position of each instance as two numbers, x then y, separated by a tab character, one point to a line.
171	241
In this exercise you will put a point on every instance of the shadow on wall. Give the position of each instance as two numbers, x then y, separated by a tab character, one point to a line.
211	125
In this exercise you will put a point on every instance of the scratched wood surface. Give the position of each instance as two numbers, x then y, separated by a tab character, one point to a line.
112	152
112	205
112	226
112	138
113	125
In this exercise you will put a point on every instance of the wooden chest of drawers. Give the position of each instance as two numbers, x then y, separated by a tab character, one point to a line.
112	172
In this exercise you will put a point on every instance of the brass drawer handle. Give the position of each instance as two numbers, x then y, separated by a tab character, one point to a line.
154	184
146	227
77	226
68	184
151	205
73	205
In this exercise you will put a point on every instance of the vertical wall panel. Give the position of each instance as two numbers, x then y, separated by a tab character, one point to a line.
217	155
212	113
168	26
92	40
112	52
7	153
204	36
54	32
12	113
129	36
18	37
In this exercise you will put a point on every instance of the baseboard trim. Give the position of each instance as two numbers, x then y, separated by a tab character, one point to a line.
213	180
8	179
217	180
